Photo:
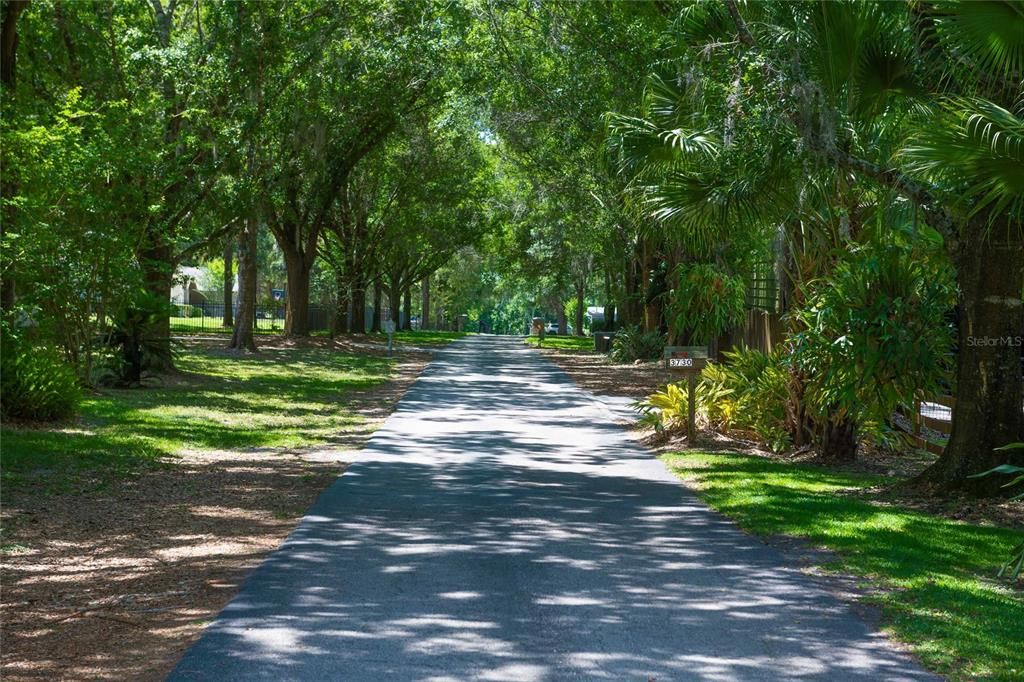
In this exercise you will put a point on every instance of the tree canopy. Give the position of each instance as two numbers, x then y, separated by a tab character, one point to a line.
506	159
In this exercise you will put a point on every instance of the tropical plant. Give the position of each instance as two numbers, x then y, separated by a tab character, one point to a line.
1014	566
706	302
665	410
747	391
875	333
633	343
36	383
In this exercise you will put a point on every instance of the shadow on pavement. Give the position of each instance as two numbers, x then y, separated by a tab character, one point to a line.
500	528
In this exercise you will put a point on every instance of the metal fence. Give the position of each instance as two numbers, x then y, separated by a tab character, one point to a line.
209	317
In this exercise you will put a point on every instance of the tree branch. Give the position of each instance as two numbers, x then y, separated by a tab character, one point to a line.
741	26
938	217
192	249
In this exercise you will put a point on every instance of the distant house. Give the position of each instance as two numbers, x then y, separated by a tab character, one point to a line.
185	286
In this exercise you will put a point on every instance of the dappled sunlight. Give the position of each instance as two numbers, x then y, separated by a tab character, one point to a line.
281	398
478	534
934	575
158	576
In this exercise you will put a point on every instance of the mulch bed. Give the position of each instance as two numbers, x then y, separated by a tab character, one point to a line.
116	582
595	373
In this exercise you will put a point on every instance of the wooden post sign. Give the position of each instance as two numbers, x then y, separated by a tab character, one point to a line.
689	360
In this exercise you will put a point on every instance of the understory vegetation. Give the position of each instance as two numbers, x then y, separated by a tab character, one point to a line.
633	343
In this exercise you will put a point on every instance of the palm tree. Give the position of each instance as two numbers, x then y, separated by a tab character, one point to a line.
918	99
876	106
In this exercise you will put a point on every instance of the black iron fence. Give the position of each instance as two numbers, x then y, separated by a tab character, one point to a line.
209	317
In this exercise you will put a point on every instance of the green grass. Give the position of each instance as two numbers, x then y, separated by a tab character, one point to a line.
426	337
197	325
278	398
937	577
212	325
569	343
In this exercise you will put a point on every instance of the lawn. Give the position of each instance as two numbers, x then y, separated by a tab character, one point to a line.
575	344
426	337
213	325
210	325
287	397
937	583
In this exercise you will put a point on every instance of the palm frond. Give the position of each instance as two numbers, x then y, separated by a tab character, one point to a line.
702	210
976	148
988	35
704	22
635	145
670	100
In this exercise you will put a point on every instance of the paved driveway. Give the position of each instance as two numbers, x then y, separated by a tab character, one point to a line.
502	527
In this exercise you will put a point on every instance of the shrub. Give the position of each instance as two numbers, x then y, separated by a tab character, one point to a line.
35	382
876	332
186	310
707	302
631	343
141	347
665	410
668	410
748	391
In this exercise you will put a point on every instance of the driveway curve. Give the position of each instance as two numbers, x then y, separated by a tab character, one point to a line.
501	526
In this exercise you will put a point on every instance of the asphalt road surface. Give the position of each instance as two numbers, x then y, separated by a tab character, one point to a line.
502	526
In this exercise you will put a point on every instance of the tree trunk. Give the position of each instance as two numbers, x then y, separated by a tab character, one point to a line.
157	277
652	315
395	302
296	315
988	376
839	440
578	322
8	185
378	303
358	322
560	316
9	54
340	323
229	280
425	303
243	338
609	302
632	308
407	309
655	287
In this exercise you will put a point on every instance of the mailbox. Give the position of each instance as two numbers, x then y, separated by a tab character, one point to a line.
686	358
689	360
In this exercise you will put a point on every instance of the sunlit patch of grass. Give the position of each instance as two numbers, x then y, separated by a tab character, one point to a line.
277	398
936	576
427	337
212	325
568	343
